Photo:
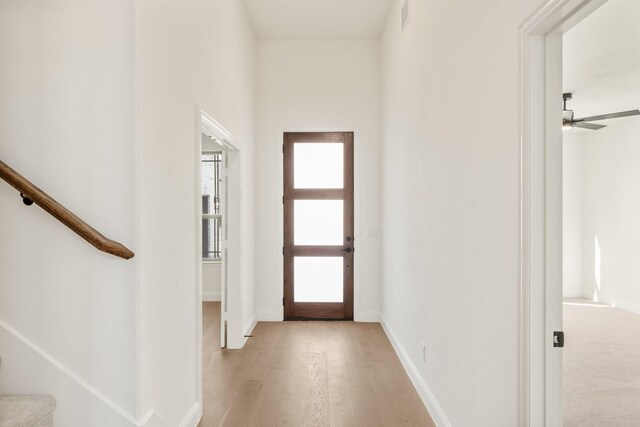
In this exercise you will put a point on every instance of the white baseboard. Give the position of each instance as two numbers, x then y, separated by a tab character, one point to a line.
276	316
193	416
436	412
211	296
248	328
613	302
634	308
367	316
269	316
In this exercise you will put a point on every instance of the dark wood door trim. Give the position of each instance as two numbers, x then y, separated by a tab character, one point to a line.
318	194
293	310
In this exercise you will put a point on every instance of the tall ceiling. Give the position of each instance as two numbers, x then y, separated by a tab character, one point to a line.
320	19
601	61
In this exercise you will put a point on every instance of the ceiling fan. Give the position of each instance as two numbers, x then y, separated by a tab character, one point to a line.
569	122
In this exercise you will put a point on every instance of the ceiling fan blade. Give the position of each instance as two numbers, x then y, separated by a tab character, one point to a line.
591	126
610	116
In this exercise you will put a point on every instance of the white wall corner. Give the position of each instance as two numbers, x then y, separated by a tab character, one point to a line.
367	316
211	296
603	298
270	316
436	412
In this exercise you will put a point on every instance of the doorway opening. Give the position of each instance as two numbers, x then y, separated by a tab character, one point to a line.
541	321
318	225
217	251
601	207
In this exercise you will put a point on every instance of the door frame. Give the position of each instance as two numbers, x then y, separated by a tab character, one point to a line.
540	293
347	138
205	124
358	314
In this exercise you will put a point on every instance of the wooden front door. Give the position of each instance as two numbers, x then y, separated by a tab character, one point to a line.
318	225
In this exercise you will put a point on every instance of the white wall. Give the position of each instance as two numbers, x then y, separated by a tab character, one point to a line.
189	55
451	180
611	214
311	85
229	89
67	124
100	107
572	227
211	281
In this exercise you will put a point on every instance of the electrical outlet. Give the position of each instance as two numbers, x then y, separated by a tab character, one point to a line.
424	351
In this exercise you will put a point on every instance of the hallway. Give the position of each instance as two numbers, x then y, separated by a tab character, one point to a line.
338	374
104	106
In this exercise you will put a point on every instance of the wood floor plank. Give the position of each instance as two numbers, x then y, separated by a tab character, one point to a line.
297	374
244	403
316	408
380	378
340	407
267	408
410	411
360	381
365	408
291	410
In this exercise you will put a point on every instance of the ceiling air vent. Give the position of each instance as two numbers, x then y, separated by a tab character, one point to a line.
405	14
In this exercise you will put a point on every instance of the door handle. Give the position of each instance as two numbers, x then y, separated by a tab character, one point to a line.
347	250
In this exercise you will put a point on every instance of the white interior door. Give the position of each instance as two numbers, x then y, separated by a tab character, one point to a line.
214	228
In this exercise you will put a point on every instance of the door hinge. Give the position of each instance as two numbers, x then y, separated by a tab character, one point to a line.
283	250
558	338
282	148
282	300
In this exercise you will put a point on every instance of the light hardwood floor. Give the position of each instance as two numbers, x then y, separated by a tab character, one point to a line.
333	374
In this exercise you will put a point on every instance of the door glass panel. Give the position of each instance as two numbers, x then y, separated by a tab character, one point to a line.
211	174
318	222
211	231
318	279
318	165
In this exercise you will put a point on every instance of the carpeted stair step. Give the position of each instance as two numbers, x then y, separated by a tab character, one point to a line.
27	411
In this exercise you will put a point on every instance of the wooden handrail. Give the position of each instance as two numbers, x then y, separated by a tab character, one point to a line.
32	194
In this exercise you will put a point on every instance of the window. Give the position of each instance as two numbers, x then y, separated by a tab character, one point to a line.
211	212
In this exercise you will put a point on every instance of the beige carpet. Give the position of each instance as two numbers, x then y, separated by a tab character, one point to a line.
601	365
